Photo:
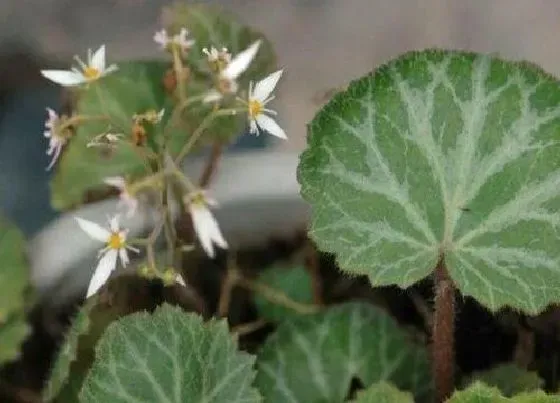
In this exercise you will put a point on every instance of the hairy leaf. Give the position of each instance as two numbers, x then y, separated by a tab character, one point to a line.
442	152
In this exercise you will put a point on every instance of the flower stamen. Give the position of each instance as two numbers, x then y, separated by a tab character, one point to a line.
116	241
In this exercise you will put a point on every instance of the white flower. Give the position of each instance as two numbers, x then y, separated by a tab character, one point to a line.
180	40
204	223
56	141
214	55
127	200
259	96
150	116
115	247
179	280
105	140
228	76
93	70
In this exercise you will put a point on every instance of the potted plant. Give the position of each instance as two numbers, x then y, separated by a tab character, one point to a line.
431	253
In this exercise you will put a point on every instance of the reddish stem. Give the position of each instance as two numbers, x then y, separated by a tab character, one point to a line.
443	337
211	164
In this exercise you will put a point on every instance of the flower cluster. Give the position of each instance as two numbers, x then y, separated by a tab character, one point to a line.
225	69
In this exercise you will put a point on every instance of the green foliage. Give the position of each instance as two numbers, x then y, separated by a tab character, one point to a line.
442	152
315	357
169	356
60	373
509	378
138	87
295	282
14	278
383	392
123	296
481	393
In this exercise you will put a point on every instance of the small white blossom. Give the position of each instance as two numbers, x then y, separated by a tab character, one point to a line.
259	96
105	140
93	70
204	223
179	280
115	248
214	55
150	116
126	199
228	76
56	141
180	40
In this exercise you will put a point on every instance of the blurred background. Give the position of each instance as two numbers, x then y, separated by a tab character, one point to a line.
322	44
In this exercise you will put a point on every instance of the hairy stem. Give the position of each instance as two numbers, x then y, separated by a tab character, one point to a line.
178	67
277	297
247	328
230	280
312	265
443	337
200	129
211	164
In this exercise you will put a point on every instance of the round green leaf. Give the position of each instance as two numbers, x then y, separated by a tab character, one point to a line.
13	331
442	152
68	353
509	378
169	356
14	284
383	392
295	282
481	393
314	358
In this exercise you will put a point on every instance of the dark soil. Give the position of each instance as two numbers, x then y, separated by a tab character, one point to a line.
483	339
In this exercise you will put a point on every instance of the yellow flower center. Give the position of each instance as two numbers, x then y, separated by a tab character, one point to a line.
198	199
255	108
115	241
91	73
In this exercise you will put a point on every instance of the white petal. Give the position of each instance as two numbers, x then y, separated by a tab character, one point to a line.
124	257
132	248
114	223
212	96
160	115
112	68
253	127
179	280
200	225
98	59
207	229
94	230
130	203
161	38
66	78
270	125
241	61
116	181
53	116
56	151
105	266
264	88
